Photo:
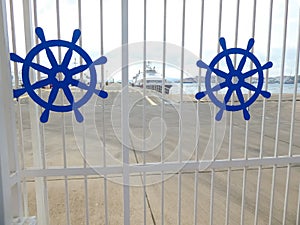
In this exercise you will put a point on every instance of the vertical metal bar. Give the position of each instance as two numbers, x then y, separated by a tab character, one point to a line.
7	123
40	93
286	194
67	202
211	214
231	126
263	117
212	180
214	129
19	115
298	207
244	176
228	196
163	115
42	130
247	129
219	25
144	109
180	110
125	114
13	37
86	196
196	177
257	193
279	109
103	114
36	42
37	145
291	139
272	194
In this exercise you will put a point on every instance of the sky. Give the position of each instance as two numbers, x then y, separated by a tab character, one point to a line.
91	39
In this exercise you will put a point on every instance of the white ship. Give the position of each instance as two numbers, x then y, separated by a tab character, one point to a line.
154	80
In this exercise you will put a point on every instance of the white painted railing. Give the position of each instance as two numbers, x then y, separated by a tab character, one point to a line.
263	148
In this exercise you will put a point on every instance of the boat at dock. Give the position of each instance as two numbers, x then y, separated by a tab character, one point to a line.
154	80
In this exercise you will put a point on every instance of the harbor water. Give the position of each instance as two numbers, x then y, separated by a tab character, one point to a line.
192	88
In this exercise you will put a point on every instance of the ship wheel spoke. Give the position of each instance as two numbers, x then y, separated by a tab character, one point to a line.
78	69
242	101
79	84
228	59
41	83
249	73
40	33
229	63
242	63
40	68
69	95
53	95
38	84
220	73
67	58
240	95
219	114
249	86
45	115
51	57
228	95
243	60
219	86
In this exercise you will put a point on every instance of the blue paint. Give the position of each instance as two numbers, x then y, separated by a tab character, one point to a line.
234	79
52	72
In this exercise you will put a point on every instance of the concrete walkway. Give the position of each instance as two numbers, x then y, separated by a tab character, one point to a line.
102	124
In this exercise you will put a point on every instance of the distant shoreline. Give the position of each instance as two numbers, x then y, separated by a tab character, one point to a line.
192	88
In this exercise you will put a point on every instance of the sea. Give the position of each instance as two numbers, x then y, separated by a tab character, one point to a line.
192	88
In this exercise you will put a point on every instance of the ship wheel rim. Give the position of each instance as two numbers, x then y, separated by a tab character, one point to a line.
216	60
58	43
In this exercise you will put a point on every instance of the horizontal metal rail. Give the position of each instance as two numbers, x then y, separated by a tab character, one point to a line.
41	171
167	166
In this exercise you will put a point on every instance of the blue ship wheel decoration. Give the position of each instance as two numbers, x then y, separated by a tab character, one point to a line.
234	79
65	81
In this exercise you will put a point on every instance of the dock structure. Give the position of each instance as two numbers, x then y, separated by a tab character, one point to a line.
159	87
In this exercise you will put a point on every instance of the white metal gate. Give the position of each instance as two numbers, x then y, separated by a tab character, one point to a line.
143	156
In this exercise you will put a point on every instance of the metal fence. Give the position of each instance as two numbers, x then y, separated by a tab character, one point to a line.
143	156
